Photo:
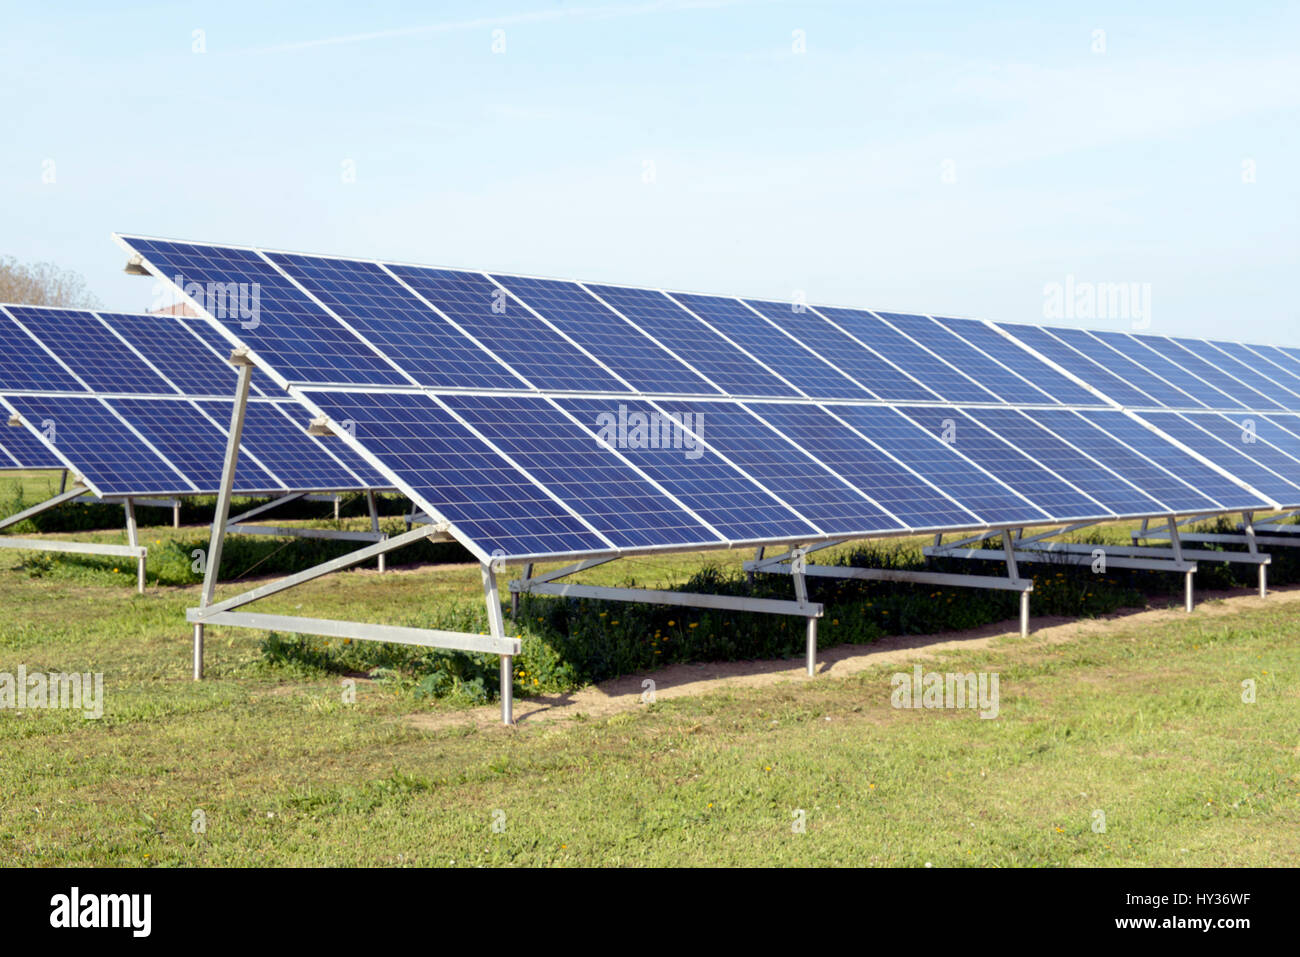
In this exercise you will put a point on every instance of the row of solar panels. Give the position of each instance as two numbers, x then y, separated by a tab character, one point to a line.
141	405
859	423
357	322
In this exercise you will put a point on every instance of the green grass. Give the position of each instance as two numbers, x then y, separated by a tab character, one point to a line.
1141	720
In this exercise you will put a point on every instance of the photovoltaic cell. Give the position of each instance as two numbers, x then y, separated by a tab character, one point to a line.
23	450
590	479
1158	389
284	447
25	366
1226	455
716	358
996	378
1089	439
421	342
915	504
697	475
91	351
1189	470
1154	360
105	451
1038	484
1229	393
770	345
1256	437
1280	365
1240	379
942	465
1049	347
1077	468
1046	379
169	343
293	334
1283	388
191	443
809	487
611	339
458	476
504	325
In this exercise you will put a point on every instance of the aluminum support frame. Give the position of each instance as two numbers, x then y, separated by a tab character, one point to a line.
785	564
133	549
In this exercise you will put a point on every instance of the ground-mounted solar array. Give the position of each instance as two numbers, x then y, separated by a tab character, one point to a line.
140	405
544	417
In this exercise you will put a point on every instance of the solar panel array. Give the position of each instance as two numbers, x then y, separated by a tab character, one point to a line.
547	417
141	405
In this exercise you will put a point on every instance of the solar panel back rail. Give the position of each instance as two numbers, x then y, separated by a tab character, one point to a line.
540	420
132	407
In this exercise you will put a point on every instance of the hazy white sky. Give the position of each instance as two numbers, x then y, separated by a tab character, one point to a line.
934	157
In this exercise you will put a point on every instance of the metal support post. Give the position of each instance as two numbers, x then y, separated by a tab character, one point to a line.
498	630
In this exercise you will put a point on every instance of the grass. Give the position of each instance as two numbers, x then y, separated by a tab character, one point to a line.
1142	720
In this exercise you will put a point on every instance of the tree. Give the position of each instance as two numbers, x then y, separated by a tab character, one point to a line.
43	284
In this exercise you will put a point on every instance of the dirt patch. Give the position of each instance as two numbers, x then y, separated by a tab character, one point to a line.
679	680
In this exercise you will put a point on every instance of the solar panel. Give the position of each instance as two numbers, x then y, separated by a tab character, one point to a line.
620	345
1037	483
100	444
1043	342
451	472
926	376
172	347
829	501
498	320
398	324
25	366
298	337
1227	455
1264	377
22	450
668	451
1239	379
1154	359
1162	393
913	502
714	356
1044	378
791	360
91	351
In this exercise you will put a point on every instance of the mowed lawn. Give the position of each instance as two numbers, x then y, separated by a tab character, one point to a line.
1142	721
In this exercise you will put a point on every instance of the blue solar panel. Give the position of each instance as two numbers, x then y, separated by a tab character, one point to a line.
567	459
1257	438
942	465
91	351
811	488
1242	380
1177	495
453	472
191	443
1160	391
1230	455
295	335
284	447
103	449
890	485
25	366
1038	484
1165	363
690	470
931	377
1077	468
366	474
614	341
1281	386
503	324
415	337
1281	365
1059	388
24	451
716	358
1229	393
169	343
770	345
1047	345
1188	469
999	380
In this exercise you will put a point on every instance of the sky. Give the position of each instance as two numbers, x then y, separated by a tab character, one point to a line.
944	158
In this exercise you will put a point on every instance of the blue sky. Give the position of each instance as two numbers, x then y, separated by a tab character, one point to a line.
934	157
